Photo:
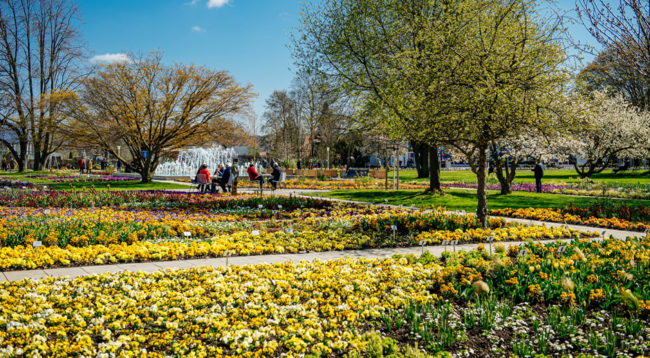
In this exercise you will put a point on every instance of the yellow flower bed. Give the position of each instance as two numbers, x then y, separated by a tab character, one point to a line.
240	243
513	233
556	215
244	243
243	311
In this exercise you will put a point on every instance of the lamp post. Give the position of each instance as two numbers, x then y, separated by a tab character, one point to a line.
118	151
328	158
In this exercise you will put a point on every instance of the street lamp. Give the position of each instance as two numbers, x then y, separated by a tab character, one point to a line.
328	158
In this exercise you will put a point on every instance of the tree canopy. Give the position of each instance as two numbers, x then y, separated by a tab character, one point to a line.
152	108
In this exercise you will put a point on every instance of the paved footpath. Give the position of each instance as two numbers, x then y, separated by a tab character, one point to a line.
267	259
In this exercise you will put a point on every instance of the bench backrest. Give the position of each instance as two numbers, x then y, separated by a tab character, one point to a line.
203	179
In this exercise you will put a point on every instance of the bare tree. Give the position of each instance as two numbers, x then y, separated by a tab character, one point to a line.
39	53
623	29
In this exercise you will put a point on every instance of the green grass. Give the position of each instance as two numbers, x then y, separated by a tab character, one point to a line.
526	176
114	185
119	185
458	199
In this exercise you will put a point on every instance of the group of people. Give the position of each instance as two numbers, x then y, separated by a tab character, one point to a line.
8	164
221	177
224	176
85	165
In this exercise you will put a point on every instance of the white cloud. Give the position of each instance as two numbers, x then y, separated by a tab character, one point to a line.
217	3
198	29
192	2
111	58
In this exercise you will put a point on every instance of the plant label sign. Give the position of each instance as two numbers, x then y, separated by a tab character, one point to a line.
260	206
423	242
47	212
393	227
289	230
187	234
561	249
37	243
280	206
255	233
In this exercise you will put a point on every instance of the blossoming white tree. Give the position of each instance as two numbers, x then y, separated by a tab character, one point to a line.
609	128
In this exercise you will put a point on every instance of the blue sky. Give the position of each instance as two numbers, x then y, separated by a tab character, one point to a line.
248	38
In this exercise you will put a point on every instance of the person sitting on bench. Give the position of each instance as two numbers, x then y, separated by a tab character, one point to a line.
218	173
203	178
254	175
275	175
225	178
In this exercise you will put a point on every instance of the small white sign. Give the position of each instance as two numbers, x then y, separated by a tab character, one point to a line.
561	249
260	206
255	233
280	206
37	243
227	253
393	227
445	242
523	252
47	212
423	242
187	234
289	230
454	242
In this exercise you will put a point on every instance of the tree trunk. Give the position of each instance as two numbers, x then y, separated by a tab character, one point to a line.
434	170
505	180
421	153
481	209
22	156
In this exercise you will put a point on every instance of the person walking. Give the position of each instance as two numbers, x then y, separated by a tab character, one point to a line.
82	165
254	175
539	173
4	165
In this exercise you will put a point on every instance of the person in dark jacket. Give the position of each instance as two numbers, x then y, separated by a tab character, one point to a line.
539	173
223	181
276	174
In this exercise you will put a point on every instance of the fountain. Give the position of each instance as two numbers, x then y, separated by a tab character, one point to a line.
189	160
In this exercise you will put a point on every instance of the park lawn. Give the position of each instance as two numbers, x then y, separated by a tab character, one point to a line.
459	199
526	176
117	185
112	185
